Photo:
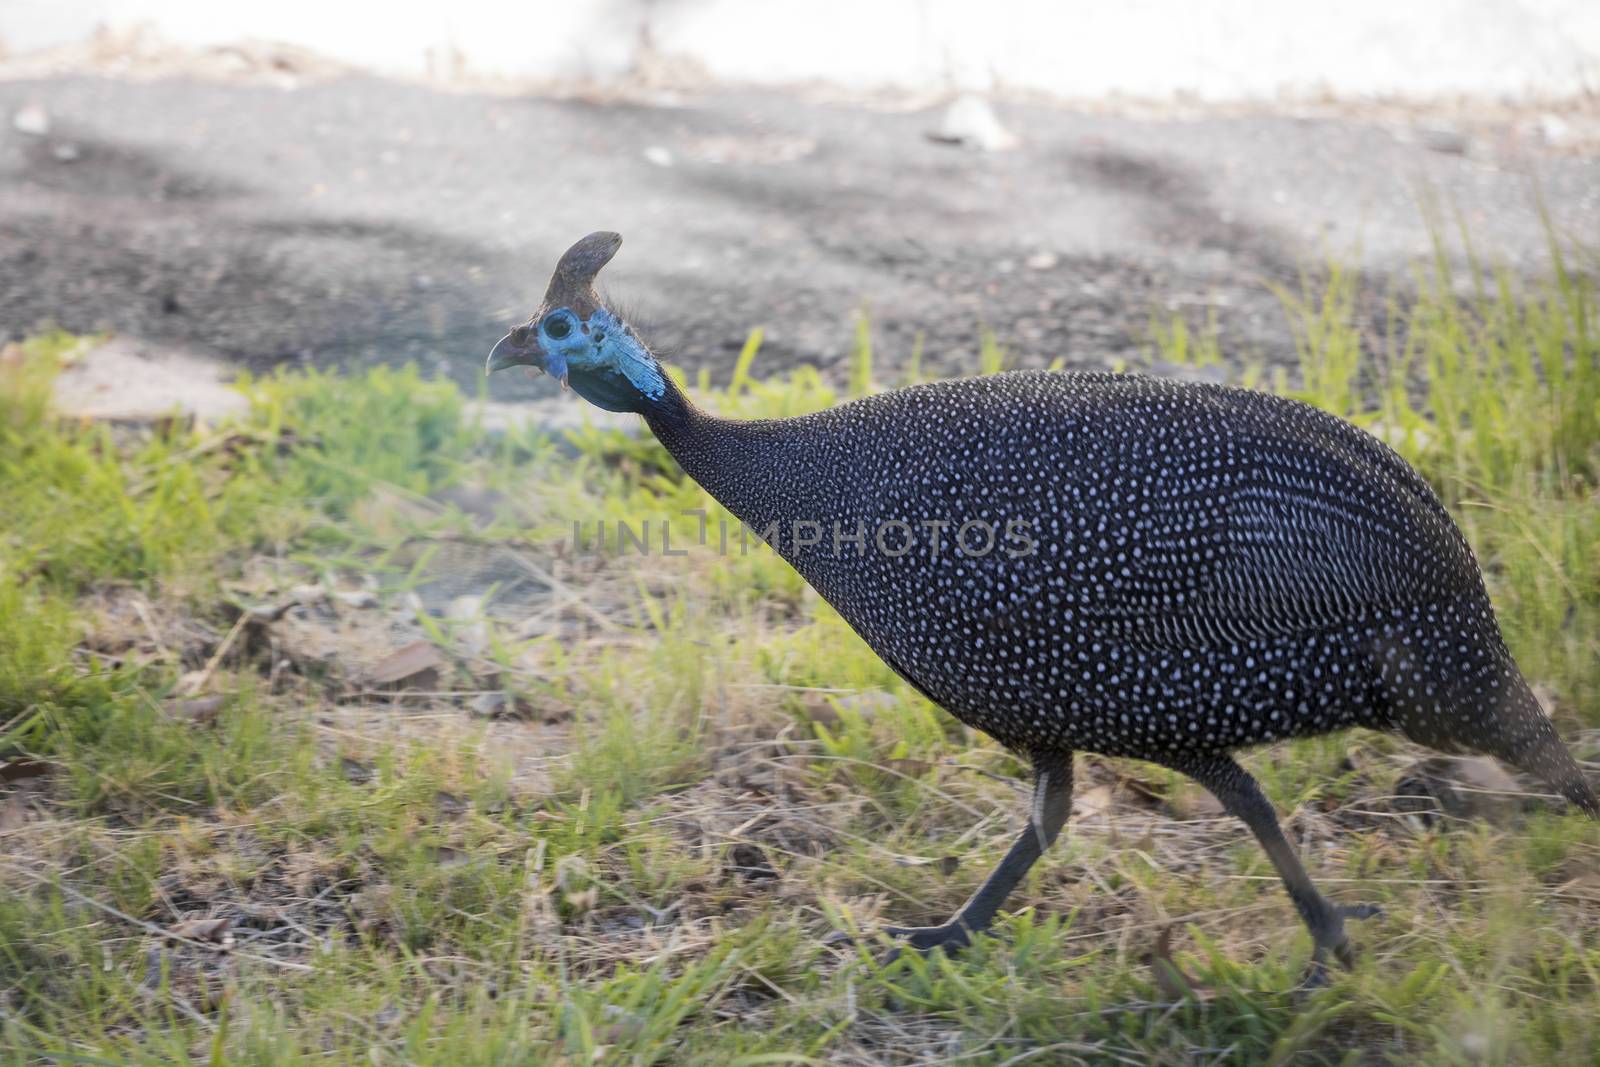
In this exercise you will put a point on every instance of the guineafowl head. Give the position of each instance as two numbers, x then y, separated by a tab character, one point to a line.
574	338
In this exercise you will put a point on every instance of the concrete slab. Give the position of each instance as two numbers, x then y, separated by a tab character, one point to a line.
126	380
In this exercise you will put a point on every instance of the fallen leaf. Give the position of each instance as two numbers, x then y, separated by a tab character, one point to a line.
1461	787
584	900
1484	774
407	664
201	929
1149	793
25	767
1092	802
1193	802
202	711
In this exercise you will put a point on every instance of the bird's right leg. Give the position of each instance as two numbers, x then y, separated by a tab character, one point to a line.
1242	797
1052	800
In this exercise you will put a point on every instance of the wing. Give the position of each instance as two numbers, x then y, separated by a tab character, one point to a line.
1170	517
1288	534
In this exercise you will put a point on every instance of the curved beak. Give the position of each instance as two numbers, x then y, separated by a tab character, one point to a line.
506	353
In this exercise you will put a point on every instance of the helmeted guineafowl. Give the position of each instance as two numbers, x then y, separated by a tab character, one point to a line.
1110	563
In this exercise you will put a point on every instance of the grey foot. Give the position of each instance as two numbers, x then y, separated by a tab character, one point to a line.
951	937
1329	939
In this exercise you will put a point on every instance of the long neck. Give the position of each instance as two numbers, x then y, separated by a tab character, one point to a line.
741	463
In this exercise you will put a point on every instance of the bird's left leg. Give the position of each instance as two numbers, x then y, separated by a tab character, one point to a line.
1052	800
1242	797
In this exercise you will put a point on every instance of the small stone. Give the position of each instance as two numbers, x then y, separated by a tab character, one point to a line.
970	121
1043	260
1555	129
32	120
1569	131
658	155
67	152
491	703
472	629
1444	139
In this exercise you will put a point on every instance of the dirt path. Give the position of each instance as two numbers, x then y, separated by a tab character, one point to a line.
357	220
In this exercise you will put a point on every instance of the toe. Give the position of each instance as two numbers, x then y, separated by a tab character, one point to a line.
951	936
1316	976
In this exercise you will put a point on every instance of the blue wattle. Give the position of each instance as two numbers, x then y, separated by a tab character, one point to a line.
617	350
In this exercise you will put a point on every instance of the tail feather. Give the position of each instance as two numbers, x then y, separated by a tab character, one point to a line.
1486	706
1535	747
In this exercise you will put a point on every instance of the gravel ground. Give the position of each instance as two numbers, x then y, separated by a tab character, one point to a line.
353	220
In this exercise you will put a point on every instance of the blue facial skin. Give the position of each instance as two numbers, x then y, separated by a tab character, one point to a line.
600	359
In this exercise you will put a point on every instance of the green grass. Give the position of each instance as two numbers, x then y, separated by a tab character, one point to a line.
698	770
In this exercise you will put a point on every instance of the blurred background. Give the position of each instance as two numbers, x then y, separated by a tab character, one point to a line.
300	183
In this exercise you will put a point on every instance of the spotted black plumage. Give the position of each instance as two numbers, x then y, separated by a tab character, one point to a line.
1173	571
